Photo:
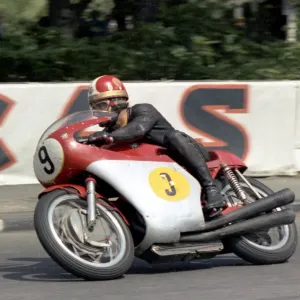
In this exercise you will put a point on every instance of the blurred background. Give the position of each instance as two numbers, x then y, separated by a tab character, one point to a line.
76	40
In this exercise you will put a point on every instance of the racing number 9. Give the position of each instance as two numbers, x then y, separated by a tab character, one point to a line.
45	159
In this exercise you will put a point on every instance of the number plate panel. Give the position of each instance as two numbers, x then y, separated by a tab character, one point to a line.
48	160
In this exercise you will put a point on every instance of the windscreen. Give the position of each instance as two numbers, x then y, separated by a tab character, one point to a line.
72	119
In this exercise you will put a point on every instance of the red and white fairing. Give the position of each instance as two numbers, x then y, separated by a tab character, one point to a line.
59	158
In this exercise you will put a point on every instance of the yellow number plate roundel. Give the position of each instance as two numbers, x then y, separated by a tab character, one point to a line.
169	184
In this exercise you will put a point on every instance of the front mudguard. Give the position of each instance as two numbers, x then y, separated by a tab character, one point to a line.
76	189
80	191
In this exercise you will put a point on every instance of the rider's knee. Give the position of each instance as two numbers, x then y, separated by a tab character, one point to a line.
180	139
174	137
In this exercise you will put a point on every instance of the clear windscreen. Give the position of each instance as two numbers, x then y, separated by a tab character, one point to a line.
74	118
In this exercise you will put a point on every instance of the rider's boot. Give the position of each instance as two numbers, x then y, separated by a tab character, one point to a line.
193	156
211	196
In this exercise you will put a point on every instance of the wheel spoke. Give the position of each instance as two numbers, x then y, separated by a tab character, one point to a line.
90	250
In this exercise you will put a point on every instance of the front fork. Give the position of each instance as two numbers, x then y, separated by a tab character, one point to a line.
91	202
235	185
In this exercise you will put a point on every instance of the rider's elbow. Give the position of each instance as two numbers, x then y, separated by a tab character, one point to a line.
141	129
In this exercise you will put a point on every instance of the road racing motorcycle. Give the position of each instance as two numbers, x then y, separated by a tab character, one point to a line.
103	205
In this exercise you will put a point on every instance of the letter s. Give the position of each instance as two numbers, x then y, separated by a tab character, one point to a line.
198	110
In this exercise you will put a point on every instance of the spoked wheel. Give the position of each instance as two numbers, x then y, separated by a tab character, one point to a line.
105	253
269	246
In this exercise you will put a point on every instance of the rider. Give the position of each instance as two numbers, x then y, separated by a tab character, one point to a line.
145	123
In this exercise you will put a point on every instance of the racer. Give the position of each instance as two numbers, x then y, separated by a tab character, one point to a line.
143	122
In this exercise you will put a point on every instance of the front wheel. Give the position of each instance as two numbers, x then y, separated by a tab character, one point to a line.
60	224
260	247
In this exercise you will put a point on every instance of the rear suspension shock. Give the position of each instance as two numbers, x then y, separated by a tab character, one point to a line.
234	183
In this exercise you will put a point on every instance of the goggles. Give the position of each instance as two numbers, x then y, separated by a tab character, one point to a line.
108	105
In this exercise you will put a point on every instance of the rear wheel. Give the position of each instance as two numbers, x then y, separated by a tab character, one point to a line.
272	246
60	223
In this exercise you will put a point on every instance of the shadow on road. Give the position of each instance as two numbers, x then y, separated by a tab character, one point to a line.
34	269
46	270
141	267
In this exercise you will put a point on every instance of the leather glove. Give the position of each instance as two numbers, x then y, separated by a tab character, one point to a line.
101	136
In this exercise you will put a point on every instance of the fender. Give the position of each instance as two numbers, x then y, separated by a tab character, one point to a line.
217	157
80	191
76	189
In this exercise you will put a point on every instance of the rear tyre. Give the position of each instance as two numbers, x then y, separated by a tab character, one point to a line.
248	246
67	247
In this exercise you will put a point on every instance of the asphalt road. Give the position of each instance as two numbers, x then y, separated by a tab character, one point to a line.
27	273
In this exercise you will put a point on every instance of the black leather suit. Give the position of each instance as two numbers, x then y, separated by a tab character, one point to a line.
146	124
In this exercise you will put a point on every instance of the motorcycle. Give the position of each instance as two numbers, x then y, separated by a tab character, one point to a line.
103	205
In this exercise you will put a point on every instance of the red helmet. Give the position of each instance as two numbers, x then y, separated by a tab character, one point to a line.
107	93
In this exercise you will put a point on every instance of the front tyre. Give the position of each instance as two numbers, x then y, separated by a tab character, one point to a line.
258	247
106	253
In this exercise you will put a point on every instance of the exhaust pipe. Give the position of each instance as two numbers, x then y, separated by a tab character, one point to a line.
284	217
281	198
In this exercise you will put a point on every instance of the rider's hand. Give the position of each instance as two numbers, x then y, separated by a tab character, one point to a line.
101	136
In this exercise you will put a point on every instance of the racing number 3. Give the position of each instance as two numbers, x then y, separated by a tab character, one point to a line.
172	190
199	113
45	159
169	184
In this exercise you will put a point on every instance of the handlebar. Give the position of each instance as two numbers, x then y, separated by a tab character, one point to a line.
82	139
85	140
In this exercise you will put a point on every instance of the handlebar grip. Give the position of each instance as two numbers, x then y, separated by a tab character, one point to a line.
82	139
85	140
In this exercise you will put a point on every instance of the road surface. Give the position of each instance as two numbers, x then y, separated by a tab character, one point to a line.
27	273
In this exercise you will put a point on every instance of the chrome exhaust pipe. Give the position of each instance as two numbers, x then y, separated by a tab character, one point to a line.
284	217
280	198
